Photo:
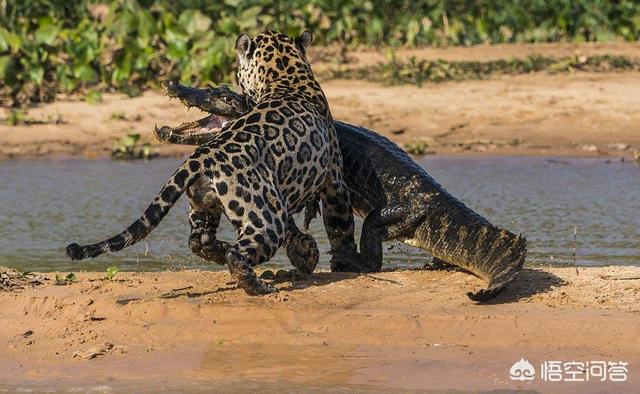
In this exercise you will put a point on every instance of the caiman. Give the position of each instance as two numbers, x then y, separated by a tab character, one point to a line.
397	198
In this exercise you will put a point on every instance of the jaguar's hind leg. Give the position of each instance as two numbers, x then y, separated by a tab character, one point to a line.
202	241
256	209
258	241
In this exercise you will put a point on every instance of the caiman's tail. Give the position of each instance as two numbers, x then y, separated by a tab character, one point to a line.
460	236
139	229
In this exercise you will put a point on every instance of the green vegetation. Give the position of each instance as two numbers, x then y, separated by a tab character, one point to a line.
122	116
128	147
87	46
417	72
66	280
417	148
111	273
17	116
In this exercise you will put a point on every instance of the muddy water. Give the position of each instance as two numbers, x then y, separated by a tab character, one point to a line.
48	204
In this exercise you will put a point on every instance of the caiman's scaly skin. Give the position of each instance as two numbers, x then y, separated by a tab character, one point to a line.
401	201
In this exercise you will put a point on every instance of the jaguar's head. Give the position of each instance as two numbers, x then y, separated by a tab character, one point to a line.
270	57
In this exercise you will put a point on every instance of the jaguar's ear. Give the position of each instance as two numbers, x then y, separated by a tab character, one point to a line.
304	40
243	46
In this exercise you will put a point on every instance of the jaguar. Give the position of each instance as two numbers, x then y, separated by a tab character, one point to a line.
260	168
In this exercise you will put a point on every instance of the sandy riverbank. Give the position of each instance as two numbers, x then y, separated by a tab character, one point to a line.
578	114
405	330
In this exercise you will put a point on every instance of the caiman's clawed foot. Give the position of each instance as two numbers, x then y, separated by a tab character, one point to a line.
302	251
348	261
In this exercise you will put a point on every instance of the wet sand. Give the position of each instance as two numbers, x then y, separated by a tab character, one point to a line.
576	114
404	330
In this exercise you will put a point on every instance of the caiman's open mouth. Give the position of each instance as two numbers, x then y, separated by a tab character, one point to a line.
192	97
207	125
221	103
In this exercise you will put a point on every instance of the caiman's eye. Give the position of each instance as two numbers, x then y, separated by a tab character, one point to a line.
226	99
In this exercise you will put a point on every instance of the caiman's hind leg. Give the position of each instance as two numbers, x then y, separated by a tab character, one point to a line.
202	241
392	222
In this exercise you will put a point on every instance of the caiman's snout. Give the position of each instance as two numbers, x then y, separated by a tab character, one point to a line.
220	101
172	88
191	97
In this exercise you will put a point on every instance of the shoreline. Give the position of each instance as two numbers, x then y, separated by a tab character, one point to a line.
585	114
194	330
559	154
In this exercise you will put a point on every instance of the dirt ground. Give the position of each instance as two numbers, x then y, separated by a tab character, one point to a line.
534	114
403	330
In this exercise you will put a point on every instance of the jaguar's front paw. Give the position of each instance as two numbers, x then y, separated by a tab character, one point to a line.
302	251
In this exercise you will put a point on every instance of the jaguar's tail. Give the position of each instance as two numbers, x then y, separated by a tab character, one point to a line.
152	216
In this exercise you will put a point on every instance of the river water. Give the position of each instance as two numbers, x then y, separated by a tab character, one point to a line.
47	204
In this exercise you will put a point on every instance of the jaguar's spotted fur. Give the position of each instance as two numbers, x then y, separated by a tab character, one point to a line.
261	167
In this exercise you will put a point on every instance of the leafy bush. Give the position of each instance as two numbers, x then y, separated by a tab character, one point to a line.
51	46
